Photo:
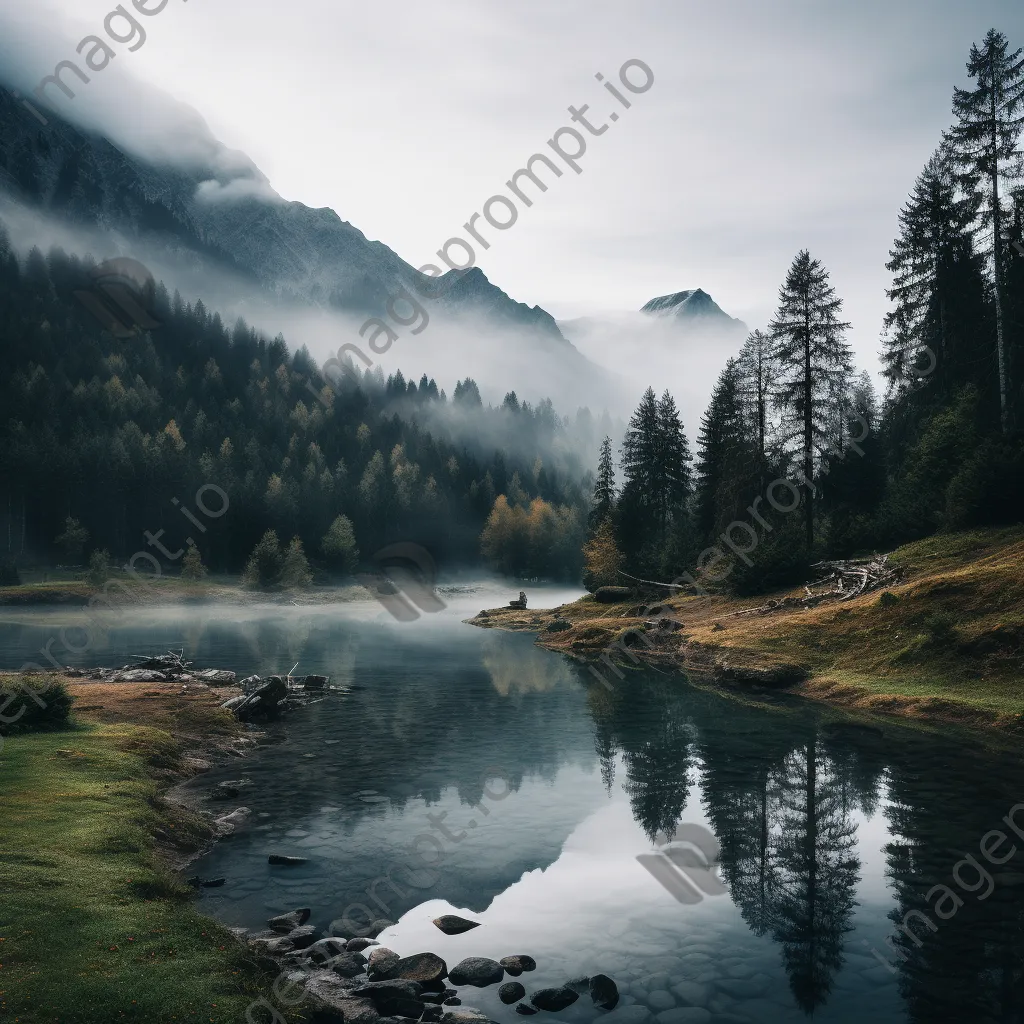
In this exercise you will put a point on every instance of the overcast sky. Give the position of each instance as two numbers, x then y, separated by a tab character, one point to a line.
771	126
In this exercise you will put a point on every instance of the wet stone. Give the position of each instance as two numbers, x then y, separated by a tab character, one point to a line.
284	923
452	924
511	992
477	971
554	999
603	992
515	965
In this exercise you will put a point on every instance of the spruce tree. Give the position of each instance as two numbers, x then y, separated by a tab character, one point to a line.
986	139
641	448
604	489
934	268
725	456
673	471
814	366
756	371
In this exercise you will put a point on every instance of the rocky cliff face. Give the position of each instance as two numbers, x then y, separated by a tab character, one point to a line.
222	213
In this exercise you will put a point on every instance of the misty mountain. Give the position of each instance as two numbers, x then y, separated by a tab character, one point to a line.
692	307
214	227
680	341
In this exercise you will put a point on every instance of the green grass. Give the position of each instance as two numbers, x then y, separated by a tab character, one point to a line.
92	927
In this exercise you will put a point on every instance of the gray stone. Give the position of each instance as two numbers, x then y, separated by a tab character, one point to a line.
426	968
381	962
636	1014
604	992
691	993
515	965
376	927
325	949
304	936
329	992
465	1015
228	823
511	992
392	998
357	945
660	999
685	1015
477	971
554	999
744	988
348	965
284	923
451	924
273	947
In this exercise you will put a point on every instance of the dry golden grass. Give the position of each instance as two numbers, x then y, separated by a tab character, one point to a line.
948	644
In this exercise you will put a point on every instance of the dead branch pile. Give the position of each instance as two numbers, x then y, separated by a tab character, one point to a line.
837	581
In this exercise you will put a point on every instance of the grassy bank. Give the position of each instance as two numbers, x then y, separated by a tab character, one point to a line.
946	643
94	925
122	591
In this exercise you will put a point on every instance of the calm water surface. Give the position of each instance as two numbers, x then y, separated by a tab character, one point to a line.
468	771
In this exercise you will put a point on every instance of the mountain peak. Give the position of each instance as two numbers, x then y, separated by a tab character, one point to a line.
695	303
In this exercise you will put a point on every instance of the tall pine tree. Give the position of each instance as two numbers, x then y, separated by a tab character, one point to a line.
986	140
814	367
604	489
937	278
757	371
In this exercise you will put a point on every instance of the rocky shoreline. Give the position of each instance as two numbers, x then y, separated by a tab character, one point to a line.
358	981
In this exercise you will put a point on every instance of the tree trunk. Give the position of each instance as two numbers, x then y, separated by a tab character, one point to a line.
997	254
808	433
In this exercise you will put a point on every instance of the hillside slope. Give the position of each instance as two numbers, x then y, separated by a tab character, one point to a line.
946	642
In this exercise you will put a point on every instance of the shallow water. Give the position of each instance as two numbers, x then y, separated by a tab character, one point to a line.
468	771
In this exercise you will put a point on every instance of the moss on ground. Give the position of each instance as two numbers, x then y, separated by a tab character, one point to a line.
94	926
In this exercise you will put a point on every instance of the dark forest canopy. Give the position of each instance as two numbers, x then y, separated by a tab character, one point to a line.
111	430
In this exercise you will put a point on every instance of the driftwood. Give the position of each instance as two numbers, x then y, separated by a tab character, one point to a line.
654	583
837	581
174	664
851	578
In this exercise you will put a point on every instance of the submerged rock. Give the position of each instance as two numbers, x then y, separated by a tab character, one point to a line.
554	999
451	924
478	971
526	1010
604	992
285	861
